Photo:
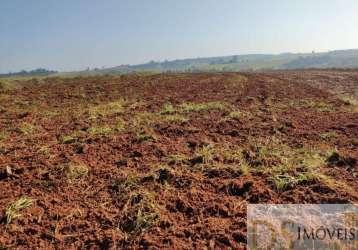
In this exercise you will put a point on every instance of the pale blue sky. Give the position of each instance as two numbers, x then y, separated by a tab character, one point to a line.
75	34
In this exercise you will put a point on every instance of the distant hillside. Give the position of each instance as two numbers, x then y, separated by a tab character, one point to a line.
36	72
252	62
334	59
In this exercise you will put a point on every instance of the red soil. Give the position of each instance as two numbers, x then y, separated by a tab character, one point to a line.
199	207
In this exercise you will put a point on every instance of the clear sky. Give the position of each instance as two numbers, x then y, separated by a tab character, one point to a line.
75	34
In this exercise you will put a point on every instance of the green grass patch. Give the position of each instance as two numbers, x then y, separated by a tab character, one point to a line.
99	131
71	138
318	105
285	166
352	102
140	213
140	210
176	118
28	128
177	159
50	113
204	154
125	185
144	120
3	135
111	108
195	107
120	125
146	136
13	210
167	109
67	139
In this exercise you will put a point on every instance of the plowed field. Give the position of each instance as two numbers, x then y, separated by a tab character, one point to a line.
170	161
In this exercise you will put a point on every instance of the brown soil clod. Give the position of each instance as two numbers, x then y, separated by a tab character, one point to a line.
337	160
238	188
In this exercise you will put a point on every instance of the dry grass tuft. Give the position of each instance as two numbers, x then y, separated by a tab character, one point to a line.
13	210
76	171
